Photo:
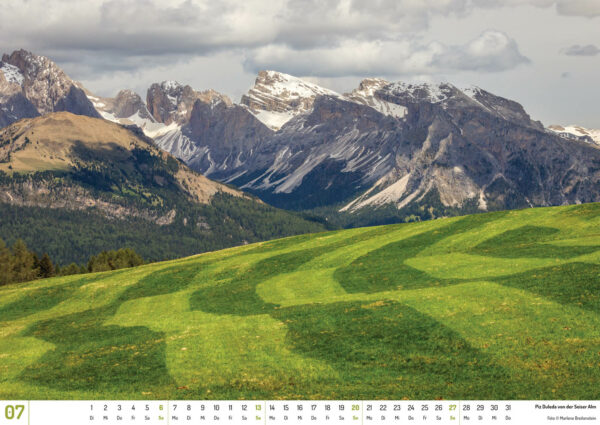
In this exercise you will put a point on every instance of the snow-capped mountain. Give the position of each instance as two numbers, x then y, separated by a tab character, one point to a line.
410	146
390	144
367	94
388	149
276	97
576	132
30	82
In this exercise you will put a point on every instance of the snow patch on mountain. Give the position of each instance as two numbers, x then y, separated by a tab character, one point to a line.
389	109
366	94
100	106
151	128
576	132
272	119
472	92
12	73
290	87
433	93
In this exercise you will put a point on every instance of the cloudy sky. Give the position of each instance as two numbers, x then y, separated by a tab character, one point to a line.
542	53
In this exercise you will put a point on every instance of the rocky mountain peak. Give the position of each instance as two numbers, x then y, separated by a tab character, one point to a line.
28	63
43	86
276	97
171	102
126	108
369	86
211	96
42	80
128	103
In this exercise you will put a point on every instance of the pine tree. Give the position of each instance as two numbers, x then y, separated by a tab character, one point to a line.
113	260
23	263
71	269
46	266
6	275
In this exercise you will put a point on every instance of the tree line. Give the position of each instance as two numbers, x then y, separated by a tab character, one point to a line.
20	264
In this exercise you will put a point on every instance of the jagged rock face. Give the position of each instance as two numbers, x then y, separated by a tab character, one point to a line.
392	144
171	115
76	102
128	103
126	108
170	102
45	85
13	104
14	108
225	132
301	146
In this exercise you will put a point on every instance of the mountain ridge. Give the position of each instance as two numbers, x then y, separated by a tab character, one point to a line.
404	148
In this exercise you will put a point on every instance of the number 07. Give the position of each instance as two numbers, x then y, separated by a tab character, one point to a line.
9	411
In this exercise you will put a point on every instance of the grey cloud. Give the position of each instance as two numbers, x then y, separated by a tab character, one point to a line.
586	8
131	34
492	51
577	50
328	38
583	8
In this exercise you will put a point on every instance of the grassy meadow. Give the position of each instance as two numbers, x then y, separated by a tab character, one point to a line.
502	305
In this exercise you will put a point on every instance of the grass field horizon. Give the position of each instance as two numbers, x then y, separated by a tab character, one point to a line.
502	305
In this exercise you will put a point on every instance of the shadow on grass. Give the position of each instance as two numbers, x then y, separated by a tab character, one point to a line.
389	350
383	269
528	242
41	299
575	284
108	359
93	357
238	296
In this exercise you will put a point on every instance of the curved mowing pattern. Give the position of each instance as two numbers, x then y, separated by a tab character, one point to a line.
501	305
384	349
89	356
238	296
41	299
575	284
384	268
528	241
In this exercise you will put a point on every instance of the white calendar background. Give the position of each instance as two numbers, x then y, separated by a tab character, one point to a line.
298	412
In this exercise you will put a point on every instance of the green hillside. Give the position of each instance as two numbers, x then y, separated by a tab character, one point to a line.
493	306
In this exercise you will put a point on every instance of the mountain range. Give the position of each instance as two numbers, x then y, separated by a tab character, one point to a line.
384	152
73	184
